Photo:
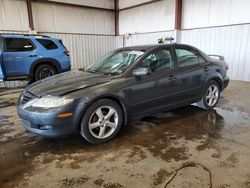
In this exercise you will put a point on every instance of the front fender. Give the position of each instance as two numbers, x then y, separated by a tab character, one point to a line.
89	101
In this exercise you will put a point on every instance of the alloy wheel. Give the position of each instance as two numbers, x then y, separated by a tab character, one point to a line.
103	122
212	95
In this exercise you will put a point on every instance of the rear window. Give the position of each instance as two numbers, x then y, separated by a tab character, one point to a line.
18	45
48	44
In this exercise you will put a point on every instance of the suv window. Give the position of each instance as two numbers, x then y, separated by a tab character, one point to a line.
159	60
187	57
48	44
18	45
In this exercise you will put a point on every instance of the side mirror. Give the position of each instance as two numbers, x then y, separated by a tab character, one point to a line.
141	71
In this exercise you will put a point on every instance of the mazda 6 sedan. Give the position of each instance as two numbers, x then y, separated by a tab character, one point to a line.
124	85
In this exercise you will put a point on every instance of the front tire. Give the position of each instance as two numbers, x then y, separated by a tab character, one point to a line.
210	97
101	122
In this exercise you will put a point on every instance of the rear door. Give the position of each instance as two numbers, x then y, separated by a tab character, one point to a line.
18	55
192	74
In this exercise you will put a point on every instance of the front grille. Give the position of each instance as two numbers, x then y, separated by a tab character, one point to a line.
27	96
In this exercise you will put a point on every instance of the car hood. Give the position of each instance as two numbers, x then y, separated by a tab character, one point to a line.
65	83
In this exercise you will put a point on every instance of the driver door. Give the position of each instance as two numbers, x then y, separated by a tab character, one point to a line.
156	91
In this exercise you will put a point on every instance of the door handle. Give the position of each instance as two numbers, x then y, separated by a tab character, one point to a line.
33	55
172	77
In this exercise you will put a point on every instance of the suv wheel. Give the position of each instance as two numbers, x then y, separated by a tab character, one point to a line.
210	97
44	71
102	121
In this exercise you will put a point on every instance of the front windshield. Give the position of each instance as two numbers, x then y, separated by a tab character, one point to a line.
115	63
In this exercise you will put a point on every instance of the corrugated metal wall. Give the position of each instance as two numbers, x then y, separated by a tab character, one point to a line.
67	23
13	15
230	41
84	49
146	38
206	13
158	16
233	42
69	19
127	3
109	4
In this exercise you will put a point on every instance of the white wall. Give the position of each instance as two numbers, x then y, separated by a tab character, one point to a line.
69	19
84	49
109	4
147	38
205	13
128	3
157	16
13	15
233	42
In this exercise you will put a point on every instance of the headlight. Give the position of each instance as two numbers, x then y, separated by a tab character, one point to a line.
48	102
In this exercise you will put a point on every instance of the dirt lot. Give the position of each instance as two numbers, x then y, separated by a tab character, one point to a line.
186	147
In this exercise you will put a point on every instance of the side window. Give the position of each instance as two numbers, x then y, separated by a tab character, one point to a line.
187	57
18	45
159	60
48	44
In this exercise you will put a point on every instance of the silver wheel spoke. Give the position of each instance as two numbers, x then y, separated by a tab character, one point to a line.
102	132
210	90
110	114
94	125
208	97
211	102
215	91
99	113
111	125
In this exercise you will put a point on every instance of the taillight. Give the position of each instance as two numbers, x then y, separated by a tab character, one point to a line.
66	53
227	66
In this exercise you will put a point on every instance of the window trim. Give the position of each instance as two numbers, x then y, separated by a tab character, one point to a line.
4	45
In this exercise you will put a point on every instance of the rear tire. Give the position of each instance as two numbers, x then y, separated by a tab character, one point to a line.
44	71
210	97
102	121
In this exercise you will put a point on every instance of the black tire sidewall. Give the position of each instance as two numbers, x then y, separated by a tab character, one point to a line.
206	106
40	67
85	133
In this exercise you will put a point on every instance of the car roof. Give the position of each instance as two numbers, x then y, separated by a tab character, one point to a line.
153	46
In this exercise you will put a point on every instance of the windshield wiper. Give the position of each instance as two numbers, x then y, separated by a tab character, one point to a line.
111	73
94	71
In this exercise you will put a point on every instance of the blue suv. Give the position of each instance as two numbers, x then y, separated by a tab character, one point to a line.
31	57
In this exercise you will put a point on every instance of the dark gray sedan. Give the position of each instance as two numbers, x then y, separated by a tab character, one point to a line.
125	85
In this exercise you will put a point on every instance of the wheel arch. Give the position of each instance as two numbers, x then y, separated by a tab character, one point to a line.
110	97
218	81
49	61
